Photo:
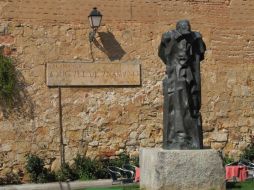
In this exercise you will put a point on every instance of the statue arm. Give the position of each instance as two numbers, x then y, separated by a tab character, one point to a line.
165	39
201	47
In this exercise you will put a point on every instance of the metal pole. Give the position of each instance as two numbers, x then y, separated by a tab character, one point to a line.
61	127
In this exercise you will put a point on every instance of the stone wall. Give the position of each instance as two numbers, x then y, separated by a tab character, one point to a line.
107	121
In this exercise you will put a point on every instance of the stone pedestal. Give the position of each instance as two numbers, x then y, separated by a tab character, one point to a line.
181	170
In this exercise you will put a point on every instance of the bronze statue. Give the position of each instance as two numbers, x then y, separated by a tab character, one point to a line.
182	50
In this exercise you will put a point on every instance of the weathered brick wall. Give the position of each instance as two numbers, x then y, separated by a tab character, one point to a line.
120	10
106	121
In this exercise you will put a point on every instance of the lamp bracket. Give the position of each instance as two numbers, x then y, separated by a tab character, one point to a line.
92	35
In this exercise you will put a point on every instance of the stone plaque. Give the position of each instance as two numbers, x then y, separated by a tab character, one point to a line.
93	74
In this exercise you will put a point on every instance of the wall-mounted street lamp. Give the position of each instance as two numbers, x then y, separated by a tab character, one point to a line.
95	21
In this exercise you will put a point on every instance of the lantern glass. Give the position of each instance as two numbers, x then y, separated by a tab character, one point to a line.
95	21
95	18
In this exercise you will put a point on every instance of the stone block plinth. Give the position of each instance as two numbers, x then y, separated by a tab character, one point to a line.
181	170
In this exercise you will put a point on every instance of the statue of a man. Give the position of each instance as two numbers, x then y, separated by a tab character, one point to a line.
182	50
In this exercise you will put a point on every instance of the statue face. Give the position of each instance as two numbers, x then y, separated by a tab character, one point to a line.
182	54
183	27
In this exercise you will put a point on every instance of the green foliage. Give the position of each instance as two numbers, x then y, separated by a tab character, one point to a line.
66	173
248	152
7	79
10	178
246	185
123	159
122	187
227	160
97	169
34	166
85	167
38	173
46	176
120	161
135	161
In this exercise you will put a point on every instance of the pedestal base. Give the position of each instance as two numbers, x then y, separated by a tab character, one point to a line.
181	170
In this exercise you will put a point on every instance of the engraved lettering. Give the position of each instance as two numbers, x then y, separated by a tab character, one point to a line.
92	74
83	74
76	74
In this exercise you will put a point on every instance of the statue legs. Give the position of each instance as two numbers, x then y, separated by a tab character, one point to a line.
181	129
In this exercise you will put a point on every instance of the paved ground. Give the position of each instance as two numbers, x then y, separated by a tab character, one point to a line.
60	185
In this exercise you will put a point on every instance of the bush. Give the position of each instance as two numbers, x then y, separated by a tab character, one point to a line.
34	166
85	167
88	169
227	160
36	170
101	169
66	173
124	159
135	161
7	79
120	161
10	178
248	153
46	176
2	182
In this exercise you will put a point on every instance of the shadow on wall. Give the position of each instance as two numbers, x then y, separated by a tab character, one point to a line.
110	46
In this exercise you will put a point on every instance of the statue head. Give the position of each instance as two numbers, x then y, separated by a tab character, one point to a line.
183	27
